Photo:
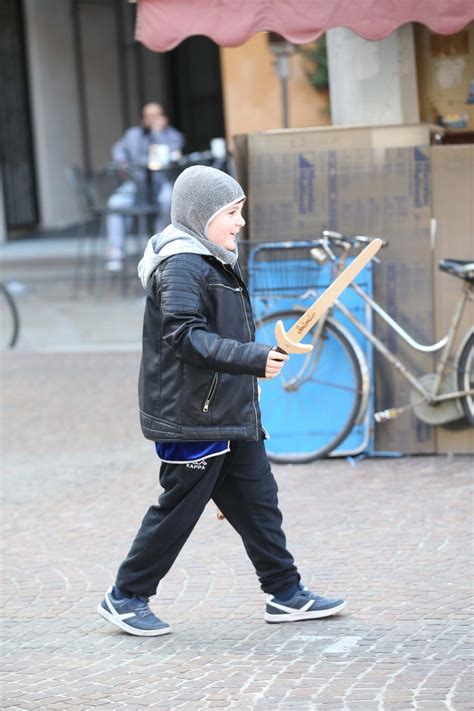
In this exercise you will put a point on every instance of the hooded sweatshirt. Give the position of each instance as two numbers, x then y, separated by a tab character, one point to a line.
199	194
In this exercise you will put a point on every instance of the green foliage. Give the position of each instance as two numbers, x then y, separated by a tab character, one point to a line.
316	58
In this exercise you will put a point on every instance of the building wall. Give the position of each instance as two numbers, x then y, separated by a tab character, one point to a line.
439	83
102	79
252	98
54	101
117	79
445	69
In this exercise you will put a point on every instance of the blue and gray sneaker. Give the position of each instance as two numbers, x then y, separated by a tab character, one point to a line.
304	605
132	614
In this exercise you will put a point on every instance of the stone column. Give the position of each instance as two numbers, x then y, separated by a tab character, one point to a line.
372	82
54	101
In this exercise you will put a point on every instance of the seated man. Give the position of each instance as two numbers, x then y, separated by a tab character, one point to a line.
133	149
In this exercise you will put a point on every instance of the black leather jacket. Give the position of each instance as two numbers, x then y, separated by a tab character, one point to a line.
200	362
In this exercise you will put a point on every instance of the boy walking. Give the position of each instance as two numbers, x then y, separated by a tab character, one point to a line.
198	399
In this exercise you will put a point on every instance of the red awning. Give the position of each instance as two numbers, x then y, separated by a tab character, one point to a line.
163	24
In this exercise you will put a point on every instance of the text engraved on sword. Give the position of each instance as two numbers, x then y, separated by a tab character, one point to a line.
302	326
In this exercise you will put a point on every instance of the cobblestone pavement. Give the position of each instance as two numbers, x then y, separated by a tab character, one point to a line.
393	536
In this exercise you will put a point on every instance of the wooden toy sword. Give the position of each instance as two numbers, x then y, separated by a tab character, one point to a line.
290	342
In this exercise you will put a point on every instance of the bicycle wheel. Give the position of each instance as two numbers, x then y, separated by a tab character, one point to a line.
466	377
9	318
313	404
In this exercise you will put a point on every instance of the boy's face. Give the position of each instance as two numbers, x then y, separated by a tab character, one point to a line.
225	226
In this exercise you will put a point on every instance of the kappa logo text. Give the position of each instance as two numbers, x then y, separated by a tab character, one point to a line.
198	464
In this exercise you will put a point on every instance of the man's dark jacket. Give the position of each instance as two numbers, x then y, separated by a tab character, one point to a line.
200	362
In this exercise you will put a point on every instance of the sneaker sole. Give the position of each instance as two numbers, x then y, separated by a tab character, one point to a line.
127	628
296	616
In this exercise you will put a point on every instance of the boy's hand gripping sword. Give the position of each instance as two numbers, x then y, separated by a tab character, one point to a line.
290	342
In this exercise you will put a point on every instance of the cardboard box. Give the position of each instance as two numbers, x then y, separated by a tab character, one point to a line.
366	180
325	137
453	210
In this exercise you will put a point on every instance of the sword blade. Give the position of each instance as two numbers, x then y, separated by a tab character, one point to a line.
334	290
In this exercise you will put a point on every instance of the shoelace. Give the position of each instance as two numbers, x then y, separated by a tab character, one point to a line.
143	611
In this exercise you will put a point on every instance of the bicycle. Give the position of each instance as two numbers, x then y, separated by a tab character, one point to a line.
10	319
335	376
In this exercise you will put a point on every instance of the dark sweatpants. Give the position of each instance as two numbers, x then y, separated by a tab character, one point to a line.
242	485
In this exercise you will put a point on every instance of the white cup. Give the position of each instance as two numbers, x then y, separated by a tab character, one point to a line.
218	148
158	156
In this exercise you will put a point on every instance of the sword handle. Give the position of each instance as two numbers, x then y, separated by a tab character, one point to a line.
279	350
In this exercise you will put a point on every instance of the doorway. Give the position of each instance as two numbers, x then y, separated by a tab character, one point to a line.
196	92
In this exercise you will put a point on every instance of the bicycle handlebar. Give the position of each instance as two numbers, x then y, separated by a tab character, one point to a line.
352	241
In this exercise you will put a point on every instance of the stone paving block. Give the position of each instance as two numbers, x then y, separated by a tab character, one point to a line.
396	538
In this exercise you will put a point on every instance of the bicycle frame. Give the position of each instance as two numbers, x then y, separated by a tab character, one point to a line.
446	344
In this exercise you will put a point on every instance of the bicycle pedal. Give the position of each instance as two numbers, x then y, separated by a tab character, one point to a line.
385	415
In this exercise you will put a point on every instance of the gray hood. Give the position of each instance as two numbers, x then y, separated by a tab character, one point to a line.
199	193
163	245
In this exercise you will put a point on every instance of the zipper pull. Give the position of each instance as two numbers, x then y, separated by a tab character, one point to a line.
210	394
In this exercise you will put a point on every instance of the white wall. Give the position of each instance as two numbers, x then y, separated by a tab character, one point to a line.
372	82
54	102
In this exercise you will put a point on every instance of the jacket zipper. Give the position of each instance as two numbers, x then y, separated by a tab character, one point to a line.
210	394
250	336
266	433
224	286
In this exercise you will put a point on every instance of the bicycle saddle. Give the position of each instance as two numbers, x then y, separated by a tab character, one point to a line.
464	269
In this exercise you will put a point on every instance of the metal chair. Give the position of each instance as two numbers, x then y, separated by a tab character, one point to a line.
94	190
89	231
